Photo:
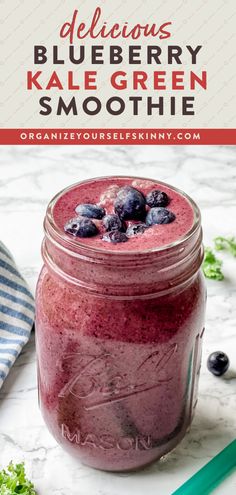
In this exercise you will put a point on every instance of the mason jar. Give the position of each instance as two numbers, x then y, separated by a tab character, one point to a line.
119	339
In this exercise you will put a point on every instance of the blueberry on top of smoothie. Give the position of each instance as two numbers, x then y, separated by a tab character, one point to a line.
112	222
135	229
90	211
81	227
130	203
115	237
157	198
159	216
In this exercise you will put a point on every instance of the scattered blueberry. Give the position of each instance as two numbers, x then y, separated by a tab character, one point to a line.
135	229
112	222
218	363
159	216
115	237
130	203
90	211
81	227
157	198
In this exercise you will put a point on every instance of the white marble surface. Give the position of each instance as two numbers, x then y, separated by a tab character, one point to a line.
29	177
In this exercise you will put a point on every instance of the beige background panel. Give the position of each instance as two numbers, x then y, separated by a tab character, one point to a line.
25	23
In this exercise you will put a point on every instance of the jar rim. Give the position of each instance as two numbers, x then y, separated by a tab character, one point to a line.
74	244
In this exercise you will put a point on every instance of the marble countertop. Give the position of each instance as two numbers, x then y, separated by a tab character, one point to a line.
29	177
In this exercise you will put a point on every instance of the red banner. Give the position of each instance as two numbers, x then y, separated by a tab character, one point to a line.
118	136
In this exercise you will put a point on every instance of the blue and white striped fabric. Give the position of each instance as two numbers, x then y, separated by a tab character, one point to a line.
16	312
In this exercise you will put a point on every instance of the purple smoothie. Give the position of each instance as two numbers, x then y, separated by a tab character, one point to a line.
119	330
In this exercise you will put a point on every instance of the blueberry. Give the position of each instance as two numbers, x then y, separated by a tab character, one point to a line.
218	363
90	211
112	222
130	203
157	198
135	229
81	227
115	237
159	215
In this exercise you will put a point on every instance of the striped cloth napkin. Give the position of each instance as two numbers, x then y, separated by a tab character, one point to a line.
16	312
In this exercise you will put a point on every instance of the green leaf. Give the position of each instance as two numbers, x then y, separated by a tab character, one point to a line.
226	244
13	481
212	265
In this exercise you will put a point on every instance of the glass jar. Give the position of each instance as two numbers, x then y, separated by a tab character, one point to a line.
119	346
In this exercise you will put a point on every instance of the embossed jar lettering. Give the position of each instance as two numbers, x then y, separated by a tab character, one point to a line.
106	442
